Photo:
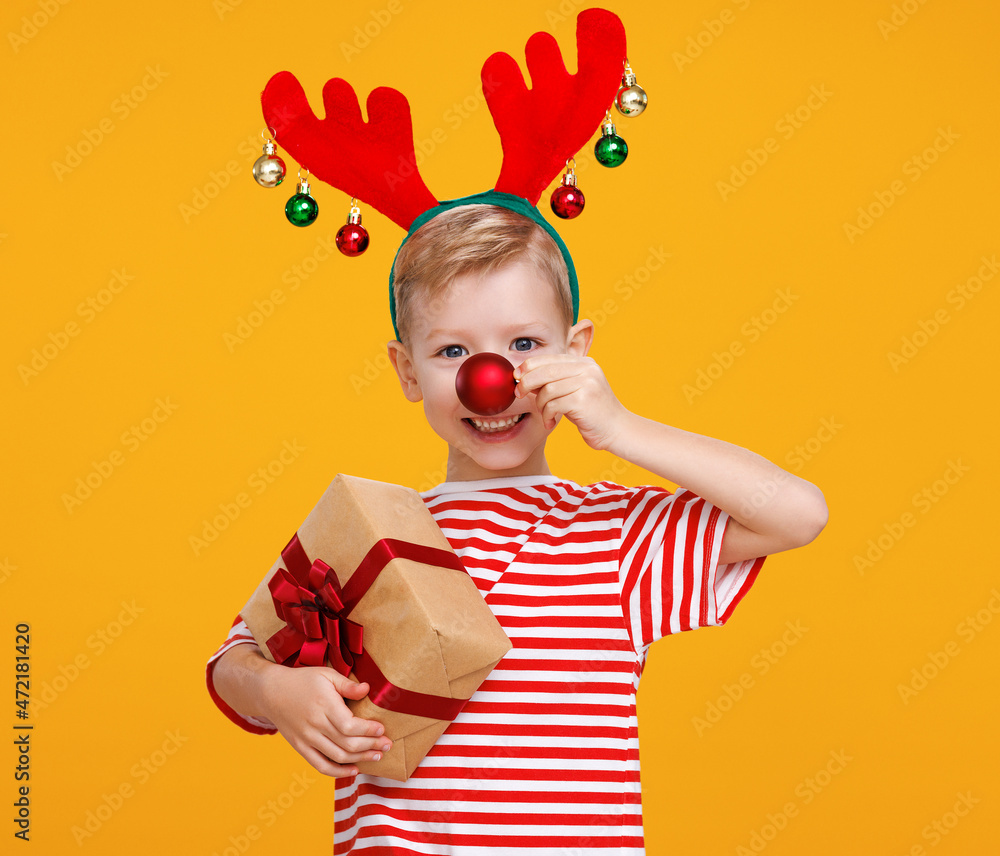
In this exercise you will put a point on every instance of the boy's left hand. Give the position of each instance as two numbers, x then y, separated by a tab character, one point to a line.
574	387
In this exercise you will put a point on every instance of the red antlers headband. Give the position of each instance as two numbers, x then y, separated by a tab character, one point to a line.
540	130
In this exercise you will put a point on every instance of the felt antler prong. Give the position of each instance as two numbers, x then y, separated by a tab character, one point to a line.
541	127
374	160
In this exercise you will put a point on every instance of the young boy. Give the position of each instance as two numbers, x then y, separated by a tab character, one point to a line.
544	757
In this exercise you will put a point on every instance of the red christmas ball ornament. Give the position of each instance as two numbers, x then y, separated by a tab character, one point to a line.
352	239
567	201
485	384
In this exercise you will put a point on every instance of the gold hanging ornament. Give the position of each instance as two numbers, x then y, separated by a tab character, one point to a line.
631	99
269	168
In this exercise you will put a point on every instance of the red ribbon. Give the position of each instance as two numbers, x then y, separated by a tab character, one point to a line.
317	628
309	598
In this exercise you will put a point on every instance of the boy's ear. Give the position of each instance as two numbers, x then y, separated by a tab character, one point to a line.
580	337
401	362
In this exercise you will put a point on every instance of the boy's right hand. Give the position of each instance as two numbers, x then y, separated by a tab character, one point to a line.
307	706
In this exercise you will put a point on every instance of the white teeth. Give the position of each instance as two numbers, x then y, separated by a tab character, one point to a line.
490	425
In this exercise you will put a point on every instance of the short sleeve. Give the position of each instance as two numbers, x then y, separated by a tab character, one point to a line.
668	564
239	634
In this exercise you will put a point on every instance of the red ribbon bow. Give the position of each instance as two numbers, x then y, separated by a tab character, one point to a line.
316	624
309	598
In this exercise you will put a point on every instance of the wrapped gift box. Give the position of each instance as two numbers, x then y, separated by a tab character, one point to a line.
369	571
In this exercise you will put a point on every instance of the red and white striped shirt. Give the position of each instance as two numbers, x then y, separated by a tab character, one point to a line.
544	758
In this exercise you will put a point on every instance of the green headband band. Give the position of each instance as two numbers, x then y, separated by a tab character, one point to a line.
501	200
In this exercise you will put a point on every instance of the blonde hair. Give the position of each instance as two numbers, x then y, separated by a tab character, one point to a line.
473	239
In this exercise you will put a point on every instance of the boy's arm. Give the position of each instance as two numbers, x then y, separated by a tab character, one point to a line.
770	509
306	705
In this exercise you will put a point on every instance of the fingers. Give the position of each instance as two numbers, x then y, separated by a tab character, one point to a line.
309	709
551	383
343	750
348	732
353	733
353	738
536	372
338	742
346	687
556	400
339	714
575	387
332	760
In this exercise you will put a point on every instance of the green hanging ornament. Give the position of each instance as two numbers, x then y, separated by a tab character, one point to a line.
301	209
610	150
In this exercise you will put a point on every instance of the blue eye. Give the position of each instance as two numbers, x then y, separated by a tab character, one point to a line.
523	344
452	351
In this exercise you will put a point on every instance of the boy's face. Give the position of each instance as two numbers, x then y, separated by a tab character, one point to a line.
512	312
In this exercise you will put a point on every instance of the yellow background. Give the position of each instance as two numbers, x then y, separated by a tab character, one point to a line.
820	375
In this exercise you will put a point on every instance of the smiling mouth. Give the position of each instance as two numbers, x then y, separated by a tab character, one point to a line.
495	426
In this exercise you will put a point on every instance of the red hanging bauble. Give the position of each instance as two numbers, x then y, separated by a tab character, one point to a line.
567	199
352	239
485	384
